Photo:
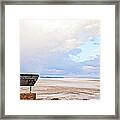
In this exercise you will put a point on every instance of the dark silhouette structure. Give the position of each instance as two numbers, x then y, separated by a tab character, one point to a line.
28	79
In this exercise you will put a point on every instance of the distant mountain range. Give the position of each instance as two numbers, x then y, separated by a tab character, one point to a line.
68	77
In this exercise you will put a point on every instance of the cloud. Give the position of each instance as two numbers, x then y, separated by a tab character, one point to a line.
81	57
55	71
59	46
74	58
89	68
45	36
92	25
88	51
69	44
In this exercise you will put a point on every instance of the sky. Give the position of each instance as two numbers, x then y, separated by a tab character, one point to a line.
68	48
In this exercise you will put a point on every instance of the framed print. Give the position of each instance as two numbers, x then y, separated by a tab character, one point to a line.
59	59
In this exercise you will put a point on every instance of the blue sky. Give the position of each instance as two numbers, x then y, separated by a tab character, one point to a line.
69	48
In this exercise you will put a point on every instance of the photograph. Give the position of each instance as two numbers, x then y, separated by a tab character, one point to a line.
60	59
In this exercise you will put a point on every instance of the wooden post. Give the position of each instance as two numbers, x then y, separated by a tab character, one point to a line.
30	88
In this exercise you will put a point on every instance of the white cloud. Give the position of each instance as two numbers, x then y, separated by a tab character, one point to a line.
55	71
82	58
74	58
45	36
92	25
89	68
68	45
90	38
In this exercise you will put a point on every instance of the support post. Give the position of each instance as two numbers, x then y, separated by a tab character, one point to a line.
30	88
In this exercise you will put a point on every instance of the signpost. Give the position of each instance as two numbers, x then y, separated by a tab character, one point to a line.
28	79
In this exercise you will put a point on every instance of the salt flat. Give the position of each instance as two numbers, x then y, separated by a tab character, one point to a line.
65	89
